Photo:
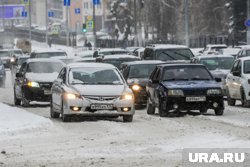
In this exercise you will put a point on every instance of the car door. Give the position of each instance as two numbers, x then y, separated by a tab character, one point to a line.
237	81
19	81
231	80
154	85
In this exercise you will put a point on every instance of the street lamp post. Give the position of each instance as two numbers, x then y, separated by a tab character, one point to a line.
248	17
94	28
187	22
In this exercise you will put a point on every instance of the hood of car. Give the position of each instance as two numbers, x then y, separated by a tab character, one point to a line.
190	84
99	90
139	81
41	77
219	73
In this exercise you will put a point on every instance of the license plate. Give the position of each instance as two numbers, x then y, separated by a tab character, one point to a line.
195	99
101	106
47	92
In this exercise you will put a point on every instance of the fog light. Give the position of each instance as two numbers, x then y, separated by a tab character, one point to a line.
75	108
126	109
175	106
215	105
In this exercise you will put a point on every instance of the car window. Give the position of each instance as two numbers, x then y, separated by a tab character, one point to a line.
239	67
235	66
141	70
218	63
185	73
4	53
50	54
23	68
94	76
173	54
247	66
62	74
44	67
148	54
157	74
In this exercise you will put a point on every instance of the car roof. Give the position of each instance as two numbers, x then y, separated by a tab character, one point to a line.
118	56
48	51
43	60
216	45
111	49
244	58
143	62
180	64
215	56
91	65
167	46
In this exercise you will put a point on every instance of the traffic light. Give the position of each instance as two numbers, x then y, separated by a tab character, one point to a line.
84	28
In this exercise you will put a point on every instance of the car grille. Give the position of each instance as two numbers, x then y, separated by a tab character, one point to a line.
195	92
45	85
101	98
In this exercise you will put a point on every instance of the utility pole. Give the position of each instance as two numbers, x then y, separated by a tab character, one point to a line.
135	18
248	17
187	22
46	20
30	20
67	24
94	29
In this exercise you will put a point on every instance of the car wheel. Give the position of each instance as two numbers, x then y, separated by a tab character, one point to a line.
65	118
203	110
244	101
127	118
162	112
150	108
219	111
17	101
53	114
230	102
25	102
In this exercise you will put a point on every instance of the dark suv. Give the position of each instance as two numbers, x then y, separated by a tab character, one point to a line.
176	87
167	53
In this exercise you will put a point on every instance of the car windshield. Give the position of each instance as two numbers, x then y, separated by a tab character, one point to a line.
44	67
218	63
186	73
247	67
118	62
94	76
4	54
248	53
173	54
22	60
50	54
218	48
141	70
18	52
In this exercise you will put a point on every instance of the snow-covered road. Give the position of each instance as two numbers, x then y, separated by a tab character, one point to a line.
147	141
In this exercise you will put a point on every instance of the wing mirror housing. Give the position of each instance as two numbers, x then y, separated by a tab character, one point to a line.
236	73
218	79
19	75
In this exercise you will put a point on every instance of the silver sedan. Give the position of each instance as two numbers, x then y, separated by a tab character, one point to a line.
91	89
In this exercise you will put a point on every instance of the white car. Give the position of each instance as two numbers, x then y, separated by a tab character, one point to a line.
91	89
213	49
238	82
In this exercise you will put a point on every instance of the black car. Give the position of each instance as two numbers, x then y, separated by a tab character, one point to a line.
178	87
34	80
48	54
2	74
136	75
166	52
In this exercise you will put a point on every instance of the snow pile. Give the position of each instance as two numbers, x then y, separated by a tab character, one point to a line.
14	120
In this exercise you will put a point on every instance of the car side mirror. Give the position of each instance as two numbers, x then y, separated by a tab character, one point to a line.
236	73
19	75
155	81
218	79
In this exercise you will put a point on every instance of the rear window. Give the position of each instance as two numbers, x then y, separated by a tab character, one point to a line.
186	73
44	67
118	62
50	54
4	54
173	54
141	70
247	67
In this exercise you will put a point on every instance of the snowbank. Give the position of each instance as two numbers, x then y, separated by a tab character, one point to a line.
14	120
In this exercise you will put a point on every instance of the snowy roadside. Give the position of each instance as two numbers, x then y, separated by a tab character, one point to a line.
15	121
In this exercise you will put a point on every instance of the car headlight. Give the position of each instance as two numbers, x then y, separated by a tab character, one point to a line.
33	84
12	60
175	92
127	96
71	96
136	87
214	92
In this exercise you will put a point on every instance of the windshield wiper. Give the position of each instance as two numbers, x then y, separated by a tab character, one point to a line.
182	55
169	55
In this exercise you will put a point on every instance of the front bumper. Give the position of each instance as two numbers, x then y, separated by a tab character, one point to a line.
85	107
140	97
37	94
172	102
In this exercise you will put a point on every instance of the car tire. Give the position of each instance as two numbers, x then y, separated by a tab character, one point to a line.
25	102
150	108
53	114
245	103
17	101
162	112
230	102
127	118
65	118
219	111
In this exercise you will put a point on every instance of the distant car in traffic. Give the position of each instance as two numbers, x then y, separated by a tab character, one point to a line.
34	80
213	49
5	56
109	51
91	89
89	59
85	54
238	82
48	53
165	52
176	87
2	74
117	60
66	60
244	52
218	65
137	75
230	51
